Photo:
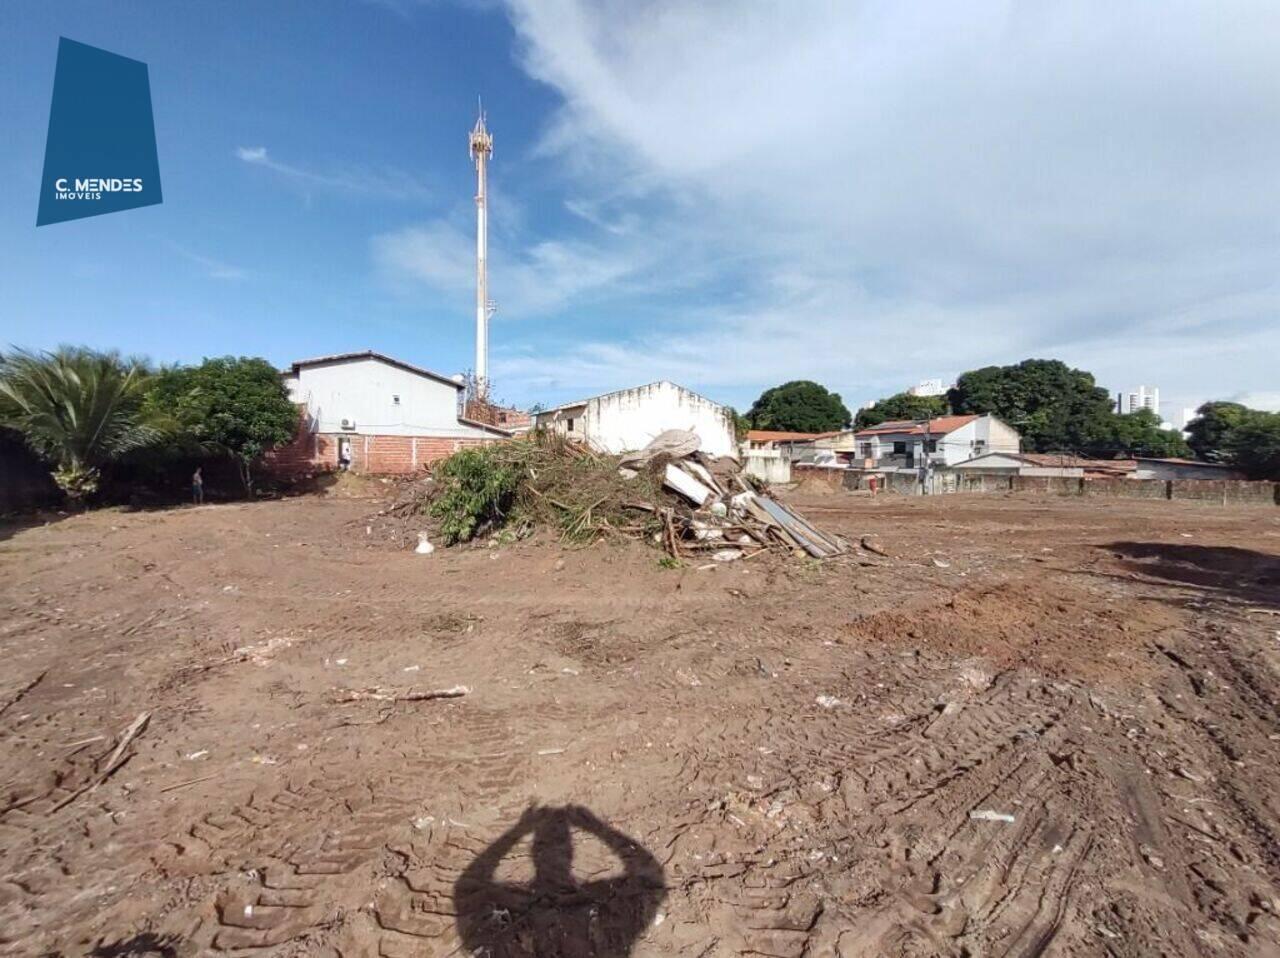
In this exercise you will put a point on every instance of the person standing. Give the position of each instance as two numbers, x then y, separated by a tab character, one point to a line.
197	487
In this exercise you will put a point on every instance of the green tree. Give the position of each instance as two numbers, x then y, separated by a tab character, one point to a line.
740	424
799	406
1139	434
901	406
235	406
1255	445
1210	434
78	409
1053	406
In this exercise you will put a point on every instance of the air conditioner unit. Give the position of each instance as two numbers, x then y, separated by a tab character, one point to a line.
349	424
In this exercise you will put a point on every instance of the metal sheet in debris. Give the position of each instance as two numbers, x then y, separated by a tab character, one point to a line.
835	543
795	529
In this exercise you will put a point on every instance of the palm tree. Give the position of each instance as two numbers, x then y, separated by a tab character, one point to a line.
77	408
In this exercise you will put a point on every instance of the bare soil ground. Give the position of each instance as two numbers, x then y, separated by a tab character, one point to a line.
1035	727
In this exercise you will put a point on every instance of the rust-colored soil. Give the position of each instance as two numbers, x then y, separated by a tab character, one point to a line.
1035	727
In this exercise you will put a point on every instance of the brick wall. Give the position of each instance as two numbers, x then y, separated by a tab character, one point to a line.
310	453
1224	491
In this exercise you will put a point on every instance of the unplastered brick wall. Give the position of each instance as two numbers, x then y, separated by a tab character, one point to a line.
397	455
306	454
311	452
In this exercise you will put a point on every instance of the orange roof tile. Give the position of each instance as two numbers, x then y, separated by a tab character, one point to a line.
912	427
769	435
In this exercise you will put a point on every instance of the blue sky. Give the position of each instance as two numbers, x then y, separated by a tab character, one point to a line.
729	197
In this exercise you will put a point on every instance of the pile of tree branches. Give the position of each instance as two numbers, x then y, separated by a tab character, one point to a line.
538	481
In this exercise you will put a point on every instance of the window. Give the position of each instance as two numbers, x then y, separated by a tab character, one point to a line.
931	446
979	447
866	450
570	426
899	448
395	400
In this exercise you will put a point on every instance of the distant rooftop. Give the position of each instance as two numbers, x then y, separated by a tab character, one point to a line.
769	435
916	427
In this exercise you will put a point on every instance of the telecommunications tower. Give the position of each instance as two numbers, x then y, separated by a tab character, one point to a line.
481	142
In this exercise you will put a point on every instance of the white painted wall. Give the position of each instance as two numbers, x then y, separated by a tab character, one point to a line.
985	434
567	421
364	390
630	418
1003	462
767	464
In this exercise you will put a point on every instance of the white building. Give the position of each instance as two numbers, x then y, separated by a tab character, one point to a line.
1024	464
928	387
945	441
375	413
1140	397
629	419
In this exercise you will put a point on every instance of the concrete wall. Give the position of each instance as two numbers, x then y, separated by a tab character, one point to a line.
767	464
1224	491
631	418
365	391
1154	469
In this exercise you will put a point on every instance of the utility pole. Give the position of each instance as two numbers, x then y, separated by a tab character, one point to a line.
481	144
924	464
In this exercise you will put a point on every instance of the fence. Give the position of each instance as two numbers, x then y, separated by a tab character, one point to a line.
1222	491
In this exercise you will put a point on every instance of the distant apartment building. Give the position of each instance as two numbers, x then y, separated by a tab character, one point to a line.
1140	397
928	387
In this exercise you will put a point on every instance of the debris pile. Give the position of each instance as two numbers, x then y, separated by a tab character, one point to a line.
729	518
669	493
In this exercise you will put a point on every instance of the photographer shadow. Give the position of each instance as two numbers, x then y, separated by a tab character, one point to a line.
554	913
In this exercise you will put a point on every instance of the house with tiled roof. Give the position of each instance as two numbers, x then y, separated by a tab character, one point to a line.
942	441
372	413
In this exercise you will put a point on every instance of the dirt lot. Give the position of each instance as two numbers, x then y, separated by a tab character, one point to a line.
1035	727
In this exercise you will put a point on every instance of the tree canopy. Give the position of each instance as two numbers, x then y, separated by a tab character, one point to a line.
77	409
1231	433
799	406
1255	445
1139	434
237	406
901	406
1053	406
1209	434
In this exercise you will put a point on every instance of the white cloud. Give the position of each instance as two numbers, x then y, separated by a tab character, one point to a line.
897	191
1262	399
529	281
389	183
